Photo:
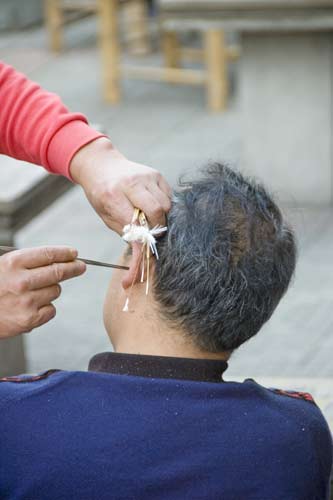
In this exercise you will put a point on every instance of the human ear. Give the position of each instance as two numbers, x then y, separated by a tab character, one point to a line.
133	275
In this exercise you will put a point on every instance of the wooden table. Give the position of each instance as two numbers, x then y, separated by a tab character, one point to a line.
58	13
285	88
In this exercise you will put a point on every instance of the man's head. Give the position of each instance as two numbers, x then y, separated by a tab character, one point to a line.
224	264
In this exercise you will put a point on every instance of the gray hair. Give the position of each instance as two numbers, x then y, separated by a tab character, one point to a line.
226	260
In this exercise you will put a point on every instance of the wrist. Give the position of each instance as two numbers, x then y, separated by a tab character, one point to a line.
88	157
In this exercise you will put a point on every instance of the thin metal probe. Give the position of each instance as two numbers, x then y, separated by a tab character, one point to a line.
90	262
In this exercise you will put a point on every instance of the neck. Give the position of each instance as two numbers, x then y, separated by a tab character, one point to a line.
154	349
155	339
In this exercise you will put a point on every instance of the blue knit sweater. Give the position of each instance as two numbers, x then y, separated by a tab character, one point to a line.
101	436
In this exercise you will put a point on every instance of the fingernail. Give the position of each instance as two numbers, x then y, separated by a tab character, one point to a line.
81	266
74	253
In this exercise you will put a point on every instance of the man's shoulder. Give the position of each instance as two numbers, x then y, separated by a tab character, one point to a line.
299	395
27	378
55	381
16	387
295	406
284	395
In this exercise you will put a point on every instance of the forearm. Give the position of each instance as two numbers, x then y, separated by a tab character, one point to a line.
36	127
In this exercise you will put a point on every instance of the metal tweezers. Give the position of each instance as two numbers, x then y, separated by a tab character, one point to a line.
86	261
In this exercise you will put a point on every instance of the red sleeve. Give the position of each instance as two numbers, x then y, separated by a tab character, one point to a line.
36	127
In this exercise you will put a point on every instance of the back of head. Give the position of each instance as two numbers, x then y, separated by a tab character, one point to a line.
226	260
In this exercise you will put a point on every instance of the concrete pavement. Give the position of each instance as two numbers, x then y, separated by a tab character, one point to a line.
169	128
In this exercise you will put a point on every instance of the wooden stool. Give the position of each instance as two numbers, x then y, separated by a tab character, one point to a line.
177	17
58	13
215	56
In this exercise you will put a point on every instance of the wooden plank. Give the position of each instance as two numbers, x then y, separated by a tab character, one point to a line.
171	49
217	78
16	213
191	55
198	55
54	22
170	75
109	44
136	16
293	21
222	5
82	5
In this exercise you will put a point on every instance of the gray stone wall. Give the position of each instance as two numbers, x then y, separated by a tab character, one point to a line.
286	101
15	14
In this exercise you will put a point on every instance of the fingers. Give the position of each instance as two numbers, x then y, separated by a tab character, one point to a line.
164	186
160	196
152	197
115	186
122	212
146	201
31	258
35	309
44	315
51	275
45	296
29	283
151	200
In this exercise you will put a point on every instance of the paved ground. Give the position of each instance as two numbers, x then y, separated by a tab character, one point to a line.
169	128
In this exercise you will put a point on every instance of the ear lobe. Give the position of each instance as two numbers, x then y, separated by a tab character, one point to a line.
133	274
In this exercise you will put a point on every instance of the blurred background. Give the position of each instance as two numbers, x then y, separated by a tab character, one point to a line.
176	84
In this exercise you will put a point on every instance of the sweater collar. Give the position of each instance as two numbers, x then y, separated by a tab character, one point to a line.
200	370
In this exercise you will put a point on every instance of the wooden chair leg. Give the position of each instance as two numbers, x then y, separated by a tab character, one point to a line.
54	22
217	77
136	16
12	357
109	46
171	49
